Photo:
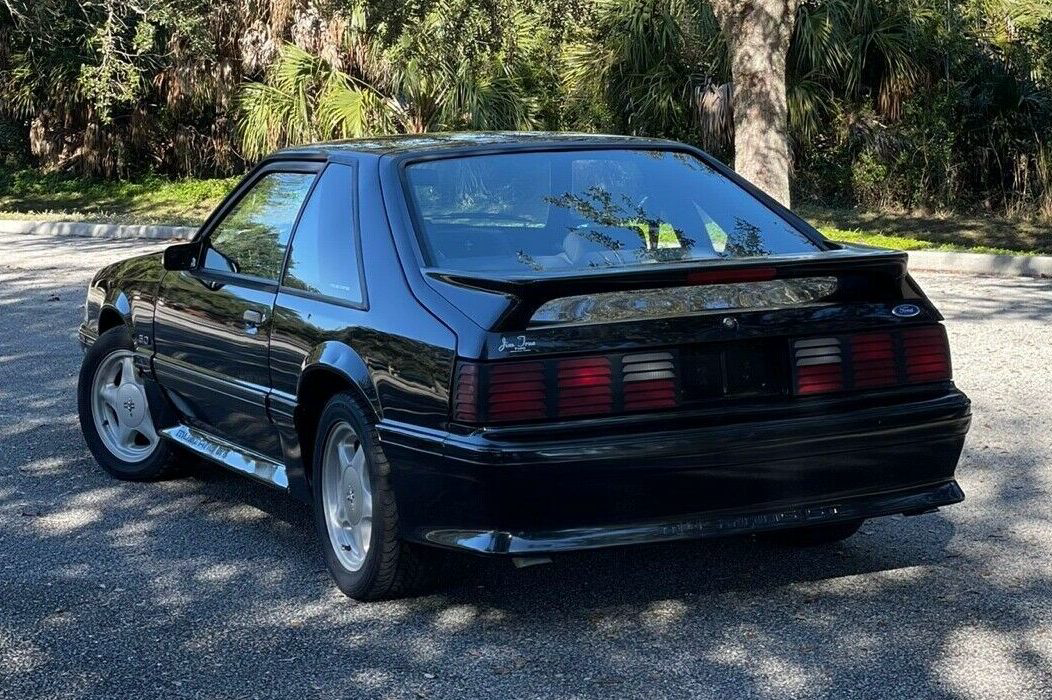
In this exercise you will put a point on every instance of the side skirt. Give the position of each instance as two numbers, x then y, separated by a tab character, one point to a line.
229	455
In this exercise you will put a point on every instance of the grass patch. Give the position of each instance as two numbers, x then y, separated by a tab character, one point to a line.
925	231
882	240
152	200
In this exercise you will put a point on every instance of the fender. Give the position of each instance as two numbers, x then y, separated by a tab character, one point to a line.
129	289
289	413
136	314
116	300
338	357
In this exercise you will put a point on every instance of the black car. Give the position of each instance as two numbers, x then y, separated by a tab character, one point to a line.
521	345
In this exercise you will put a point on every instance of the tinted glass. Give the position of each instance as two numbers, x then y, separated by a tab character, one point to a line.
251	240
521	212
324	258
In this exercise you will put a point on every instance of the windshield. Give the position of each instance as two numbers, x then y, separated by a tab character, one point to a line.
572	210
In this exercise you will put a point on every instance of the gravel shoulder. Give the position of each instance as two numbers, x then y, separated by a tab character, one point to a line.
212	586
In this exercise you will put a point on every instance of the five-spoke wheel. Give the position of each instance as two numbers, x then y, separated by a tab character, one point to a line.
120	408
347	496
354	508
116	416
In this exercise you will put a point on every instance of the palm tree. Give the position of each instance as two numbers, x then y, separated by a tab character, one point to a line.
428	79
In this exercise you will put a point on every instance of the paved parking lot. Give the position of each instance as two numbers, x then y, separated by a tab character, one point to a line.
212	586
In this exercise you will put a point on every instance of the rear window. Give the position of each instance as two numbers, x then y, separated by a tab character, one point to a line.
572	210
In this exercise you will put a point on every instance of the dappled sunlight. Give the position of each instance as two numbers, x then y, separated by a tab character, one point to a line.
456	618
133	534
664	616
239	515
66	521
871	584
372	679
975	653
768	669
20	654
184	580
221	573
104	494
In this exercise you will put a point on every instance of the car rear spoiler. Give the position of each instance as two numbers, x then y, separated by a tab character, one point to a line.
863	274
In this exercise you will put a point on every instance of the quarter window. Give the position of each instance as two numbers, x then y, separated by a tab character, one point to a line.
251	240
324	258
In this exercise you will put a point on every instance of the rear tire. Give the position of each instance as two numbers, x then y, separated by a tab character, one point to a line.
816	535
355	513
116	417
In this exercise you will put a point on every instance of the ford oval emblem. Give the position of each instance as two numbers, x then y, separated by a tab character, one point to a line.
906	310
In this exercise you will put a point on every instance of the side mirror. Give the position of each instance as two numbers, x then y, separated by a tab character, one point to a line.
181	256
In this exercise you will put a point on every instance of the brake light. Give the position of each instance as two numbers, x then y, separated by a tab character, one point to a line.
584	386
575	387
516	391
465	394
871	360
511	391
927	354
748	274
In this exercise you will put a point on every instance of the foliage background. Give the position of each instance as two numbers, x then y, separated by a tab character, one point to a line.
930	104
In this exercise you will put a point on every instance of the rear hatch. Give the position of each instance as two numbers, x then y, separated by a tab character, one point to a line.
726	337
651	280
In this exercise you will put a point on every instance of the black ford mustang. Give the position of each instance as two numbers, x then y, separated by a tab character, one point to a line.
522	344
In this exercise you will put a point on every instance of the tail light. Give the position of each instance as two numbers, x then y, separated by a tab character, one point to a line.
516	391
871	360
584	386
819	365
511	391
927	354
649	381
576	387
465	393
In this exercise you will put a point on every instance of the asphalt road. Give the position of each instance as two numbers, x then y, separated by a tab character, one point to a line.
212	586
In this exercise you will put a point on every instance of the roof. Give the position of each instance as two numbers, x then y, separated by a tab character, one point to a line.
464	140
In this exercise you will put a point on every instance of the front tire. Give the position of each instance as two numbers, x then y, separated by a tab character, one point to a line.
354	509
116	417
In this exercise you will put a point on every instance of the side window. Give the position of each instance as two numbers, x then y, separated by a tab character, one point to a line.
251	239
324	257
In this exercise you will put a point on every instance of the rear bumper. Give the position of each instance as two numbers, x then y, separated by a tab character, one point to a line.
536	494
909	501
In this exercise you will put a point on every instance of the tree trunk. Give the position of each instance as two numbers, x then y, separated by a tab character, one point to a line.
757	34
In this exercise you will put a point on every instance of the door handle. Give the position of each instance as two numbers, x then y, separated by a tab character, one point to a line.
252	317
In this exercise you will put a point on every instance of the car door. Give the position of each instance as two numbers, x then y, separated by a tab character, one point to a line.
322	295
212	326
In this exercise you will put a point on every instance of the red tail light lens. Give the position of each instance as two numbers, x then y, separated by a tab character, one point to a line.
584	386
465	393
576	387
511	391
873	360
516	391
883	359
927	354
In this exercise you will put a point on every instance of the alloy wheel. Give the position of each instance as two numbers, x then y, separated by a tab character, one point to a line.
347	496
120	408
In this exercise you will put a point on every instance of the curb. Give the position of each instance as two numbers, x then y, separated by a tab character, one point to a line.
89	230
981	263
